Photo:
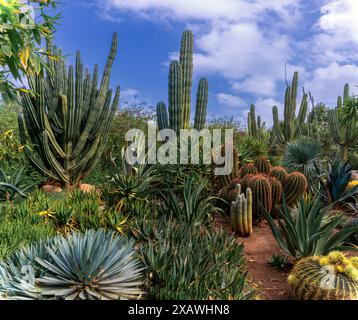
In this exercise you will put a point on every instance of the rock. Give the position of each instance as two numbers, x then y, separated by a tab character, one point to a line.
86	188
48	188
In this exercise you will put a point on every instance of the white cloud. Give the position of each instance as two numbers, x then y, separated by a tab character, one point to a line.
230	100
129	93
263	108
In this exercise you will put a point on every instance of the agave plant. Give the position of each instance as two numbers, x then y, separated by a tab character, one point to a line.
306	234
96	265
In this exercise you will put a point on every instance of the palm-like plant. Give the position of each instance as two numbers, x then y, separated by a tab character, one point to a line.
306	234
96	265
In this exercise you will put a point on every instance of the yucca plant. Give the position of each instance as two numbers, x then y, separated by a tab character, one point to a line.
306	234
95	265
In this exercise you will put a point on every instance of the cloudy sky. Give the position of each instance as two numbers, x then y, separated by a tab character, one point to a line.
242	46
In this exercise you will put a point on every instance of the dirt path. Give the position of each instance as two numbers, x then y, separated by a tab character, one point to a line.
269	282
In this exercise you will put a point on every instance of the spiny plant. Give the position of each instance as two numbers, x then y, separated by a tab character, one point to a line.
294	187
331	277
261	194
256	128
11	185
180	87
225	180
248	168
263	165
96	265
68	119
292	124
279	261
279	173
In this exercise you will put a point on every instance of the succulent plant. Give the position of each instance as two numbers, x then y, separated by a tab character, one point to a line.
162	116
224	180
331	277
248	168
68	119
279	261
280	173
256	127
241	213
277	190
261	194
245	181
96	265
263	165
294	187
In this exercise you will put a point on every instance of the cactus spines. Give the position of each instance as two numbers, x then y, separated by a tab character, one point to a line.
162	116
186	62
241	213
68	119
294	188
280	173
261	194
292	125
263	165
201	104
331	277
248	168
255	127
245	181
276	189
175	96
225	180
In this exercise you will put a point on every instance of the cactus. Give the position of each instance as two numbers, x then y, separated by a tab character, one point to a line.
276	189
68	119
162	116
225	180
342	134
294	188
292	125
263	165
255	127
332	277
248	168
261	194
280	173
241	213
180	87
245	181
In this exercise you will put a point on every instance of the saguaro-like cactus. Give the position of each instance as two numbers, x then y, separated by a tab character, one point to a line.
292	125
162	116
68	119
180	89
342	134
241	213
332	277
256	128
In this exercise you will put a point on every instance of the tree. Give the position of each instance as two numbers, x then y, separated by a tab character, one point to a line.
23	26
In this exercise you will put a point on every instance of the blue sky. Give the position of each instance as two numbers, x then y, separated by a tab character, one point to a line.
242	47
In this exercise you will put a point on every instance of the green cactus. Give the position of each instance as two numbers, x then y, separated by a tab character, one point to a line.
241	213
263	165
261	194
280	173
342	134
292	125
294	187
245	181
68	119
225	180
180	87
162	116
248	168
276	189
332	277
255	127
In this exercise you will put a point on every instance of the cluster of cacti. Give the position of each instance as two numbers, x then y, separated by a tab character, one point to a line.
68	118
263	165
280	173
180	87
241	213
256	128
292	124
225	180
342	134
248	168
331	277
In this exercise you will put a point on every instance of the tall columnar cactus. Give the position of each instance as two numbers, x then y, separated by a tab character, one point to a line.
280	173
341	133
180	89
68	119
263	165
294	187
332	277
241	213
248	168
261	194
162	116
256	128
292	125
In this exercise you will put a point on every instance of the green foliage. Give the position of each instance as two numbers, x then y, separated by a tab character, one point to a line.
250	148
256	128
22	29
279	261
68	119
191	263
305	233
95	265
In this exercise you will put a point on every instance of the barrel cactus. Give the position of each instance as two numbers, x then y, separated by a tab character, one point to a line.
331	277
67	119
261	194
263	165
248	168
241	213
225	180
245	181
280	173
294	187
276	189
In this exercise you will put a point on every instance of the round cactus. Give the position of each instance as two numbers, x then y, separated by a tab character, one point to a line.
248	168
263	165
294	187
332	277
235	182
276	189
261	194
245	181
225	180
280	173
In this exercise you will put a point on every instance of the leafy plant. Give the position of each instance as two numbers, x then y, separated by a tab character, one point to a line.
96	265
279	261
305	234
